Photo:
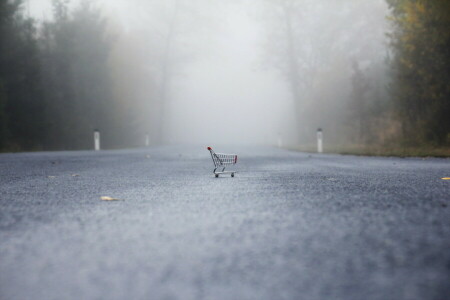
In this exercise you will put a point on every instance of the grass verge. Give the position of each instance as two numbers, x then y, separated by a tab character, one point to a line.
366	150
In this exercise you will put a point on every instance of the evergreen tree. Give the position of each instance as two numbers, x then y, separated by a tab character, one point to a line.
75	66
20	76
57	46
91	74
3	119
421	90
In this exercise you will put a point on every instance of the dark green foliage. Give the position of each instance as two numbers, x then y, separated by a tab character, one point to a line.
421	89
75	67
20	75
54	82
3	120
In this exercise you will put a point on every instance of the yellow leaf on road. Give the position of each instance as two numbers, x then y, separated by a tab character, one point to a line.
106	198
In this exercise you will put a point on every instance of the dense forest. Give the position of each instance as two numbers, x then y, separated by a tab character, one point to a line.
62	79
420	86
56	84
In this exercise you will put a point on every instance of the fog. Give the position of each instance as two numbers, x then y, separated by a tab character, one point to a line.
255	71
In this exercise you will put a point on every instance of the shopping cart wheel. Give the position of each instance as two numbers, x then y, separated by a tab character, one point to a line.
217	175
232	174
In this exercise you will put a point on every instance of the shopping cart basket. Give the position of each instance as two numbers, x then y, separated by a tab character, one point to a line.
221	161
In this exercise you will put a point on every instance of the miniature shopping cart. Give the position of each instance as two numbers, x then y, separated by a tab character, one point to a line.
221	161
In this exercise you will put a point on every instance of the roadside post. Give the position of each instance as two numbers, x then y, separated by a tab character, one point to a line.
280	141
319	140
147	140
97	140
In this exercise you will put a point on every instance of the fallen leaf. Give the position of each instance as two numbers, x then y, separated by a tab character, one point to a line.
446	178
106	198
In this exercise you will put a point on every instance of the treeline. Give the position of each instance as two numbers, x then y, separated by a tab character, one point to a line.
21	91
421	70
61	79
55	80
413	107
366	80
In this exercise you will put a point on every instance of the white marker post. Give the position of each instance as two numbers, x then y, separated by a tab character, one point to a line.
147	140
97	140
280	141
319	140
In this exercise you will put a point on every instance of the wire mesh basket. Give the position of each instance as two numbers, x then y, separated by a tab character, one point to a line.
222	161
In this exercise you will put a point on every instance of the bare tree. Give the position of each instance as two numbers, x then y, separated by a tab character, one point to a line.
176	26
310	40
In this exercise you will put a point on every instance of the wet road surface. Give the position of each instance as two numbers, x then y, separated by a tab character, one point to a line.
288	226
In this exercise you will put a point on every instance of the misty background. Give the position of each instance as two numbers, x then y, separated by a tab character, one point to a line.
210	72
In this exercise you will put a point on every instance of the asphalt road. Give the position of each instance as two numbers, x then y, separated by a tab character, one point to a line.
288	226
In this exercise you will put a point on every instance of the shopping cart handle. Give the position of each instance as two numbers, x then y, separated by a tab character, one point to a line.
209	148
